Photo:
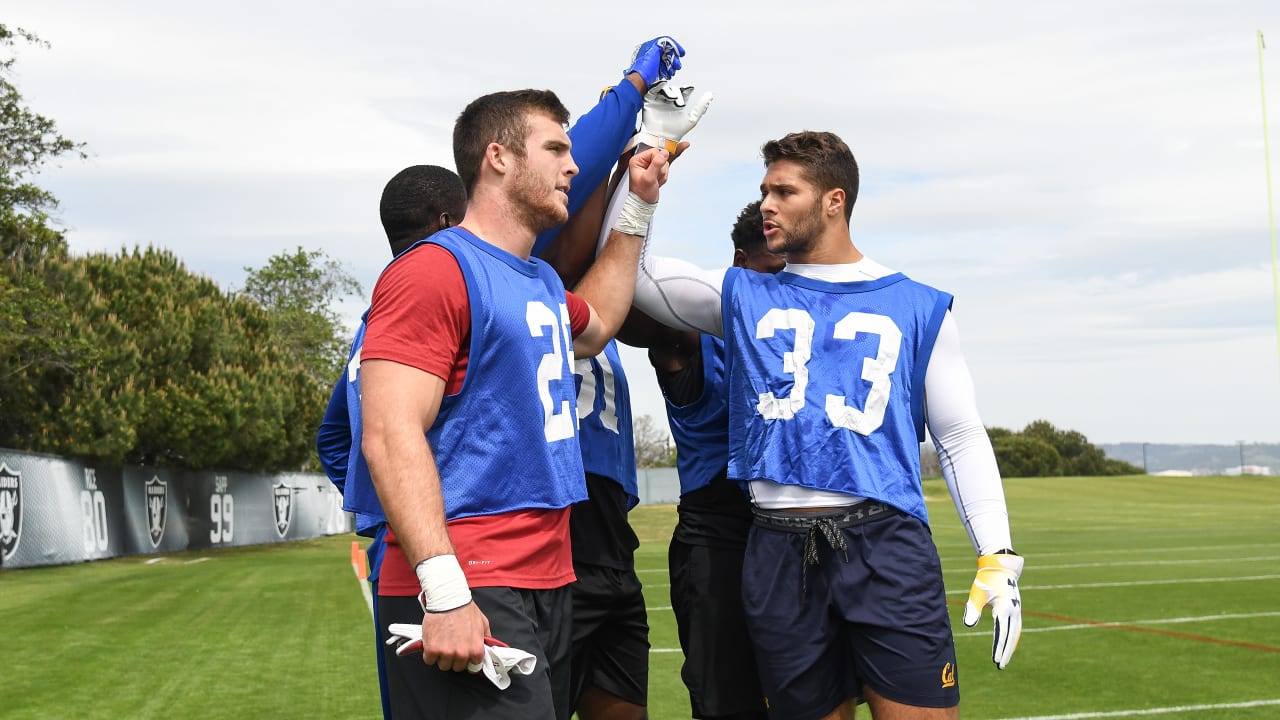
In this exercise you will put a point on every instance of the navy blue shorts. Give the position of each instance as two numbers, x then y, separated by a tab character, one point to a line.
871	614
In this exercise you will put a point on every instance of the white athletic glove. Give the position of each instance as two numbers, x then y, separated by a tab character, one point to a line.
996	586
501	661
668	115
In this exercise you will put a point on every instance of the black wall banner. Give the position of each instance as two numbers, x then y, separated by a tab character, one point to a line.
55	511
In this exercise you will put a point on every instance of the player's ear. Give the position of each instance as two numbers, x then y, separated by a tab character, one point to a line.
497	157
835	199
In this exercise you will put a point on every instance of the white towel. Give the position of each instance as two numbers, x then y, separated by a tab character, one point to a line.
499	663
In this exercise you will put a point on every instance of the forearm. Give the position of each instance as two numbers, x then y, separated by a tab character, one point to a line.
608	286
965	454
674	292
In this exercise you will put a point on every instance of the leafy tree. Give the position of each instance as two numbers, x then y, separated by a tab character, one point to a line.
995	433
131	358
1026	453
1079	456
28	140
298	291
1022	456
652	446
173	372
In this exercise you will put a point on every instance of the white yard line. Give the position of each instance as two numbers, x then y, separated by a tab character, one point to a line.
1144	551
1149	711
1136	583
364	588
1122	623
1125	563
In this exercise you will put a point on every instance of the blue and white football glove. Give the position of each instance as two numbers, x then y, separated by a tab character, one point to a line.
996	587
656	59
669	115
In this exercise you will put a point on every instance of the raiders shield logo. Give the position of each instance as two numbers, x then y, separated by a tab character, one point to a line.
10	511
157	508
282	502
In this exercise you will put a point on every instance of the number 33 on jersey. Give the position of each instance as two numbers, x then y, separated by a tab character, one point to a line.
821	369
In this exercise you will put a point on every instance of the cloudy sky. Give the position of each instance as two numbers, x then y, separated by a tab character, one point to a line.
1087	178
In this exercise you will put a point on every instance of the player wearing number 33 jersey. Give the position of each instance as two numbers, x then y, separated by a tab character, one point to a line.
809	329
835	367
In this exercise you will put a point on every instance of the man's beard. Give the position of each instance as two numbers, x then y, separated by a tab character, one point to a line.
535	208
800	239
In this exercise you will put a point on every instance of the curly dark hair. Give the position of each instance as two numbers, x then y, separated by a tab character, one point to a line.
413	200
748	229
827	161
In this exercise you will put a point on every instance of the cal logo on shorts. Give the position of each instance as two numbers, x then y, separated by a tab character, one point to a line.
282	503
10	511
948	675
157	493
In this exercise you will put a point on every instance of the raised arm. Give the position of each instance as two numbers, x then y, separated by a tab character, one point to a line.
609	285
673	292
600	134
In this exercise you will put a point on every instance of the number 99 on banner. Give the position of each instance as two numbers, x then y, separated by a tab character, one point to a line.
222	512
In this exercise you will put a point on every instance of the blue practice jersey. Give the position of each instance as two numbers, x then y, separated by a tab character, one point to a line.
826	382
338	444
508	439
604	416
700	429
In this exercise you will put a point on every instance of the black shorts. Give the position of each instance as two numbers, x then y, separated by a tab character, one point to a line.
878	618
536	621
610	634
719	666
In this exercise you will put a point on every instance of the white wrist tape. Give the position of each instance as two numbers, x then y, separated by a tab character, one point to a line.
635	216
444	586
653	141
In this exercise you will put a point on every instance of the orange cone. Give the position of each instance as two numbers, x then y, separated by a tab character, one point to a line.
362	567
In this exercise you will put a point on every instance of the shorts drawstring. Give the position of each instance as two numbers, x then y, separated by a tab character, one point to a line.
835	539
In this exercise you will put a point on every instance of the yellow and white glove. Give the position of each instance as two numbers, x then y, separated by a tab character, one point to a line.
668	115
996	586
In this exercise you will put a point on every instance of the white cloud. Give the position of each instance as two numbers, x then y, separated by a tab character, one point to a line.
1088	178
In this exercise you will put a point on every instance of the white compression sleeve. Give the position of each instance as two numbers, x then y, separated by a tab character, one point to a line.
674	292
964	449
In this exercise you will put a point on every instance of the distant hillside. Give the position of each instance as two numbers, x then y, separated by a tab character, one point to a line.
1199	459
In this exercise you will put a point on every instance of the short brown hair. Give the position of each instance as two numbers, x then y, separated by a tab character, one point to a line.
498	117
827	161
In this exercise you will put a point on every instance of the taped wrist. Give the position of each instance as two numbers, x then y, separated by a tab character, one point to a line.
656	141
635	216
444	586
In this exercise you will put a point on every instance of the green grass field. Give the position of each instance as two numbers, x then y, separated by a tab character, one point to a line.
1141	594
